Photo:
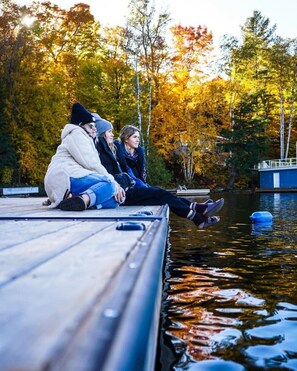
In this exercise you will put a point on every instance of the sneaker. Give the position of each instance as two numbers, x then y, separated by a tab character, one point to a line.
76	203
213	208
46	202
209	222
209	201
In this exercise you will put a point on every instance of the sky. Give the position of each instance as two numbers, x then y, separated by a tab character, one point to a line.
219	16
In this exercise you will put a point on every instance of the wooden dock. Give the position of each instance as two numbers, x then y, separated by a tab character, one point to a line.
276	190
80	290
192	192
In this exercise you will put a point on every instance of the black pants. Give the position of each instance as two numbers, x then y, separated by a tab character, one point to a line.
157	196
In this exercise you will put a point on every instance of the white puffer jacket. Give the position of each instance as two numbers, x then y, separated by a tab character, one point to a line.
75	157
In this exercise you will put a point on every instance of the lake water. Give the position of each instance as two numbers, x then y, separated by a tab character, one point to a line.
230	291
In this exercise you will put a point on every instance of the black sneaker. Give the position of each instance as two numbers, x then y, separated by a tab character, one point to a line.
76	203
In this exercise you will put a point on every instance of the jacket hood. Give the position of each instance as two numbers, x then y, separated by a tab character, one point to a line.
69	128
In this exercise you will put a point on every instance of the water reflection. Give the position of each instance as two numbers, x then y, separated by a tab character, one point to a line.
230	291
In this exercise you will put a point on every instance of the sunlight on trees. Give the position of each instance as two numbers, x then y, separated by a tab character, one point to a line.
198	127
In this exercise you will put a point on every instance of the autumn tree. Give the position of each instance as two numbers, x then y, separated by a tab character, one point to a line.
38	70
28	106
184	124
146	31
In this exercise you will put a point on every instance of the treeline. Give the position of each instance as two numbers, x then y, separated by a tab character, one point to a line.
205	120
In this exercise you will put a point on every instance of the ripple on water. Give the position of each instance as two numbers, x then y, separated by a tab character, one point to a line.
231	294
266	356
219	365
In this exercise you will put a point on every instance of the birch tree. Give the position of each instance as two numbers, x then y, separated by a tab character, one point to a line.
146	29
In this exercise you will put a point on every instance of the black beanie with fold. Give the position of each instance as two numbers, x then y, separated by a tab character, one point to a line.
80	115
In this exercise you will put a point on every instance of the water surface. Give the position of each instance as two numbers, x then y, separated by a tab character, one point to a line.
230	293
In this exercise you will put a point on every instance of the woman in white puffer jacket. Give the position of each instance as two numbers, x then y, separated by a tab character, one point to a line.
75	179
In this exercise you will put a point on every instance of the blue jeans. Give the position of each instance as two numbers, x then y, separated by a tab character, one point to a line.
99	188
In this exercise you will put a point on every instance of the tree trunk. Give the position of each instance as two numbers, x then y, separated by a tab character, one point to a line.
291	118
232	178
149	118
138	96
282	126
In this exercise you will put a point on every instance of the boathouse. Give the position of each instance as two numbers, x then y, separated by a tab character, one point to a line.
281	174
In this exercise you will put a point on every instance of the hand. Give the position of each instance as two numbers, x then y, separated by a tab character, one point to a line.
120	195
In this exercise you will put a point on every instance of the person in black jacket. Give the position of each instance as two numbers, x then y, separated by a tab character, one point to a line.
131	155
201	214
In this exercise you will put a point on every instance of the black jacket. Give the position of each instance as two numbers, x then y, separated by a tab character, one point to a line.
109	161
135	167
107	158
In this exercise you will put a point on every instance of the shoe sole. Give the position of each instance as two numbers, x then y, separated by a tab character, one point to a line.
73	204
218	206
215	220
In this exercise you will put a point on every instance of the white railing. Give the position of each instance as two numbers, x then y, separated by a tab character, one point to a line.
268	164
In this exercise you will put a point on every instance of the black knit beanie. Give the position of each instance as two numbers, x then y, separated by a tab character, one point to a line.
80	115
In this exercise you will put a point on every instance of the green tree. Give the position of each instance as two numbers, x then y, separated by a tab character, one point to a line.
264	65
106	83
283	82
246	139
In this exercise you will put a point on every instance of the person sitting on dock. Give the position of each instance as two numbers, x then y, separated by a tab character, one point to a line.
75	179
131	155
201	214
131	158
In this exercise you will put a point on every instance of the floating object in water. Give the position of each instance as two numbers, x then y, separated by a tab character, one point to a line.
261	228
261	217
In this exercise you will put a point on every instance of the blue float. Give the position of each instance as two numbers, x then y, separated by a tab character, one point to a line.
261	217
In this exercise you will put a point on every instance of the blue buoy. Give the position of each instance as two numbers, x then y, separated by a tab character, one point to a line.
261	217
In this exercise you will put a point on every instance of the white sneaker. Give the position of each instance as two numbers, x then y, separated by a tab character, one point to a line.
213	208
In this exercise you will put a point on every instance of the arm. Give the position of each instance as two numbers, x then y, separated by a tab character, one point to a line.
138	181
121	156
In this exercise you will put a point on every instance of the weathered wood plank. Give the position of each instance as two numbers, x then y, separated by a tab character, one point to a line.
60	278
52	298
33	207
21	257
129	331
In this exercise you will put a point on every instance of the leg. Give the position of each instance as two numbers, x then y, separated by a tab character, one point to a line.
88	191
199	207
207	208
159	196
156	196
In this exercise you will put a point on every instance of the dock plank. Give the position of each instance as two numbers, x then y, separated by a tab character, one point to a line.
21	257
73	280
61	281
